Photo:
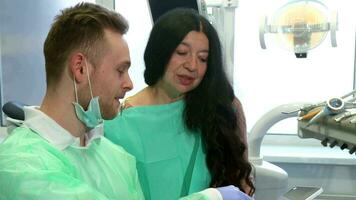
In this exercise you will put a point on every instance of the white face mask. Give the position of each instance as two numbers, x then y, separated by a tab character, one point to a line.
92	116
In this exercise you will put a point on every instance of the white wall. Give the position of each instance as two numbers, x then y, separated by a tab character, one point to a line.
139	17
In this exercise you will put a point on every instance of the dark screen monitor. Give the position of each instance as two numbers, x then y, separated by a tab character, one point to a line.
159	7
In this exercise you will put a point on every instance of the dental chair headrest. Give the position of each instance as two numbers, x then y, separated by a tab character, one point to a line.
14	109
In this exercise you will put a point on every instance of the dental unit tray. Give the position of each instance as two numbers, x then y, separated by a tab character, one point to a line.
333	122
330	132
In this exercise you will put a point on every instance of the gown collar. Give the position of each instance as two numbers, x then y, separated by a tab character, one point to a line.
56	135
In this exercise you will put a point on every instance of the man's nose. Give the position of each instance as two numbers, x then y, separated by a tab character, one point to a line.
128	83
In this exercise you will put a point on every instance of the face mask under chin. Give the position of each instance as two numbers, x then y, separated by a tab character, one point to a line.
92	116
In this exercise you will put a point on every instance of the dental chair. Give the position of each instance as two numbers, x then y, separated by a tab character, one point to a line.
14	110
15	114
271	181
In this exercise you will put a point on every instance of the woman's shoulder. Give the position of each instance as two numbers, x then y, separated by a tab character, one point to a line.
138	99
236	102
126	103
236	105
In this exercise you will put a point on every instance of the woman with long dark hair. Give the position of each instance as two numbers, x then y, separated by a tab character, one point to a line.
186	129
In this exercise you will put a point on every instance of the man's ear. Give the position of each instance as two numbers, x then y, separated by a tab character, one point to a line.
77	66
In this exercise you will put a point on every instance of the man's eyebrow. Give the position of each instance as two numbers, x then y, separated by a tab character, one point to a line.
125	64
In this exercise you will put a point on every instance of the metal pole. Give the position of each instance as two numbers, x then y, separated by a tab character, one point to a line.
354	86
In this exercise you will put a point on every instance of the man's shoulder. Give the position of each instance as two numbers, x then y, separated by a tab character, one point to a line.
26	150
116	149
22	136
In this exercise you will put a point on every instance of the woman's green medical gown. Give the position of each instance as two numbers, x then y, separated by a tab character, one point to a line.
163	146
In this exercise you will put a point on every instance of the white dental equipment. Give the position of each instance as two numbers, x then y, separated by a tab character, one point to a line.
300	25
334	124
266	172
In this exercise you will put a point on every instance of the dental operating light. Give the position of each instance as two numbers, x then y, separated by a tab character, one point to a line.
300	26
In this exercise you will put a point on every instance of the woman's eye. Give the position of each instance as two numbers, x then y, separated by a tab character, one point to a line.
182	53
203	59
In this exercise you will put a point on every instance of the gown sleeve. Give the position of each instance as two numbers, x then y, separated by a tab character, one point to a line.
43	185
30	169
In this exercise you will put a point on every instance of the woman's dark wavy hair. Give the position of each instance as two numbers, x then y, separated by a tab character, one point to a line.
215	116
